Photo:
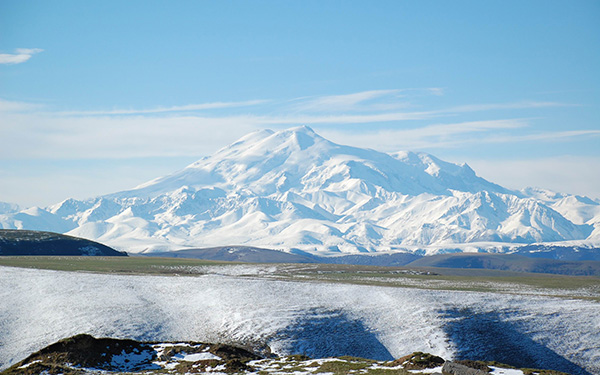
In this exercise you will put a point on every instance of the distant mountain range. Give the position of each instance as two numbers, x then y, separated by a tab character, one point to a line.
296	191
523	261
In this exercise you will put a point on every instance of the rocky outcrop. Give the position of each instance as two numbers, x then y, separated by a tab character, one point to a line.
453	368
419	361
83	354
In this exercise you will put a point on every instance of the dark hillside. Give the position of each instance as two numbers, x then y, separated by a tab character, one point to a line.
559	252
509	262
244	254
29	242
247	254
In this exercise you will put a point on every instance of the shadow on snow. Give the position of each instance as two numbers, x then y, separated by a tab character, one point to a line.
320	334
490	337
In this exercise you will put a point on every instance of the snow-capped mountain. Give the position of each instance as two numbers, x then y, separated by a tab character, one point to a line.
294	189
7	208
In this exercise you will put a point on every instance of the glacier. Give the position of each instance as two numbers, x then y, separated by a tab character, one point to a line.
295	190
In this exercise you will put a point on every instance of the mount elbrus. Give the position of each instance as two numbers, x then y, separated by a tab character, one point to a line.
294	189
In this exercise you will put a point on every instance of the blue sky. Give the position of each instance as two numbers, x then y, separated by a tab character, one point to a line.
100	96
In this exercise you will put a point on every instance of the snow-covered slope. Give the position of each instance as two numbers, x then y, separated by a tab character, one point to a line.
577	209
318	319
293	189
7	208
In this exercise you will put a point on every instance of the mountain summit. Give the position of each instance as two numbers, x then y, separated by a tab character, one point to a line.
293	189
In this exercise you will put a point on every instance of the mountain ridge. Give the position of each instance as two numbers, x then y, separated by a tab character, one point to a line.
293	189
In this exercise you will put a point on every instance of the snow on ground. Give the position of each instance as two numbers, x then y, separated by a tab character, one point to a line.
505	371
130	361
318	319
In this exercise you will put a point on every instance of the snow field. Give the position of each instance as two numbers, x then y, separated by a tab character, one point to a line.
39	307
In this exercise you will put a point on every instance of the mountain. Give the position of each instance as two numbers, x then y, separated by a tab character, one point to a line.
8	208
295	190
29	242
578	209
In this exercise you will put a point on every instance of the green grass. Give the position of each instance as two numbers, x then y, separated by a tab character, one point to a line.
465	283
356	366
463	280
341	367
111	265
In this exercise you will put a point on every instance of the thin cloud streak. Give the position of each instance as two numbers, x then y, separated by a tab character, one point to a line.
13	106
450	135
549	136
343	102
371	100
344	119
27	132
432	136
183	108
515	105
20	56
114	137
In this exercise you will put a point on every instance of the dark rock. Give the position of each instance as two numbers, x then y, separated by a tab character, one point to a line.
419	361
229	352
83	351
453	368
474	364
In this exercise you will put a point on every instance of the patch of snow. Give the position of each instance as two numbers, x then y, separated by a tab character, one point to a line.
505	371
132	361
196	357
29	364
434	370
90	250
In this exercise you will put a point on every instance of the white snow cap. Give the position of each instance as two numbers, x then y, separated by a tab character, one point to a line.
293	189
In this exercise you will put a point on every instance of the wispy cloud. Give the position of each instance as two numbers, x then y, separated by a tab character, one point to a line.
371	100
454	135
20	56
343	119
182	108
425	137
31	136
182	130
343	102
501	106
437	91
543	136
13	106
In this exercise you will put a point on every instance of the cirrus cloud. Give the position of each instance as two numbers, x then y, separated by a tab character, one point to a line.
20	56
